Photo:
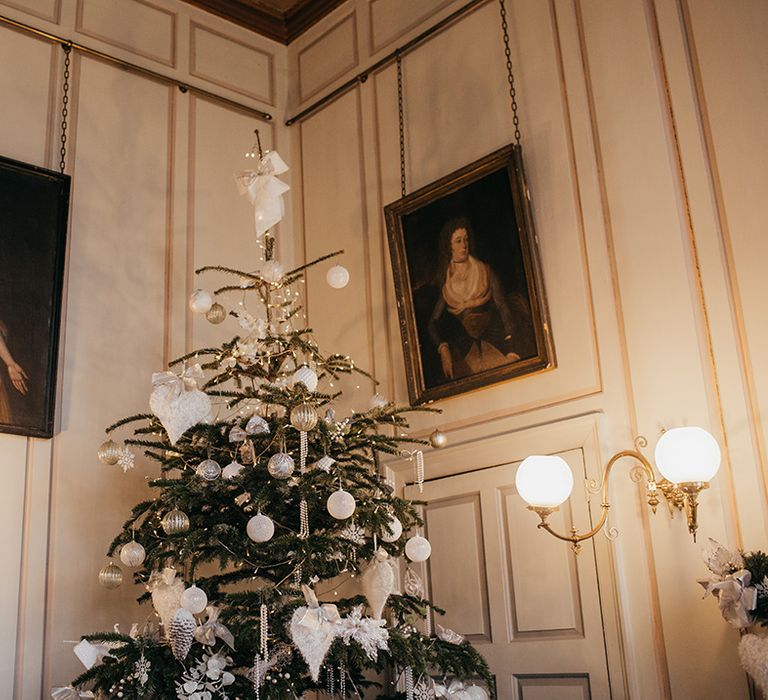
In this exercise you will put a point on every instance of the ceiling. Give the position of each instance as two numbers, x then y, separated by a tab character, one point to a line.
281	20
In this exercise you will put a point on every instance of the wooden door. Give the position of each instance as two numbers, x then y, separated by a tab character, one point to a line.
527	602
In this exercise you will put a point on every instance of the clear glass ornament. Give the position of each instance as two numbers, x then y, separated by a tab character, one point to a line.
272	271
341	504
109	452
209	470
132	554
377	401
175	522
111	576
216	314
304	417
194	599
280	465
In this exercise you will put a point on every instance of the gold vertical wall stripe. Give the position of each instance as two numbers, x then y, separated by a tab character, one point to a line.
723	228
190	262
18	672
169	223
665	688
684	196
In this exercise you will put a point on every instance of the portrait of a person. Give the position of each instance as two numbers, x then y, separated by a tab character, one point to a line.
471	326
14	376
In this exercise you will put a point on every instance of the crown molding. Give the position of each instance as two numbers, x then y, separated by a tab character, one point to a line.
272	23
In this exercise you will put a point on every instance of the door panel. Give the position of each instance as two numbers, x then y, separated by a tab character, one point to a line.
528	603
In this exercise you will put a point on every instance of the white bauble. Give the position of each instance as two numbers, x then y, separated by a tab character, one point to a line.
418	548
194	599
475	692
305	376
397	529
341	504
232	470
132	554
201	301
272	271
260	528
337	277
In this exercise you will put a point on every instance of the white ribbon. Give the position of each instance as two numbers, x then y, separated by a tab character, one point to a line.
317	614
265	191
212	628
456	690
175	384
69	693
735	597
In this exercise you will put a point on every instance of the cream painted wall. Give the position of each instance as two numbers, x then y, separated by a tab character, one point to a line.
643	141
153	198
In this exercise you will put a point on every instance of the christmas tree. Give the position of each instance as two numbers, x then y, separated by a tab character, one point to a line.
264	497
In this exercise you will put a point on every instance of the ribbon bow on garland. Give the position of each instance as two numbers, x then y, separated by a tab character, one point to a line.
316	614
212	628
265	191
172	385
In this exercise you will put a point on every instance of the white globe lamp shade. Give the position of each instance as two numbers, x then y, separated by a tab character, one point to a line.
544	481
687	454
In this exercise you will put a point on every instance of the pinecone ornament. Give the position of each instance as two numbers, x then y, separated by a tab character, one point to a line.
182	633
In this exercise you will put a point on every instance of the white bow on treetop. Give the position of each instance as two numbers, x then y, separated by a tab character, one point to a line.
265	191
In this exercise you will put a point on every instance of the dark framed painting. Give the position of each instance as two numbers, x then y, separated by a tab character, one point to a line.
470	293
34	205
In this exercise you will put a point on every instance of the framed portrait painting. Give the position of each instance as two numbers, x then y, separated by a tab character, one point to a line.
469	287
34	205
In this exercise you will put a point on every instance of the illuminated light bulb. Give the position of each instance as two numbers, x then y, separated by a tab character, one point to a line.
544	481
687	455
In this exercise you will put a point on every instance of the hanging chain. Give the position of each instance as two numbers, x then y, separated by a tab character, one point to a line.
64	105
401	117
510	75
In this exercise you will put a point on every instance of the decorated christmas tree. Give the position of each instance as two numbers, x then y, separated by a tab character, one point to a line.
265	503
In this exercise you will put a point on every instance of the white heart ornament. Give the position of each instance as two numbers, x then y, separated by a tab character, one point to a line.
178	404
753	652
313	643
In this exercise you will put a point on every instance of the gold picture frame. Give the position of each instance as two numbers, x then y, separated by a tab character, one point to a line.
470	291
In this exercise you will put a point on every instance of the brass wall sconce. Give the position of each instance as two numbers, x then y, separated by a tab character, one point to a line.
688	459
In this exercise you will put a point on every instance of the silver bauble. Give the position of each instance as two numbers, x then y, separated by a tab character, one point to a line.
209	470
216	314
257	426
194	599
438	439
260	528
280	465
304	417
109	452
132	554
175	522
111	576
272	271
304	375
200	302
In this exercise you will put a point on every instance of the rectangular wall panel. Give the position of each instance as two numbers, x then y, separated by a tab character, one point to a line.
457	568
392	18
135	25
45	9
231	63
328	57
114	341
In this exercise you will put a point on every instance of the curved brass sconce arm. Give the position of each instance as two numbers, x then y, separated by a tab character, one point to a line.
575	538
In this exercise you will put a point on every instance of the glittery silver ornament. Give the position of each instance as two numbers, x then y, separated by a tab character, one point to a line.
260	528
280	465
304	375
111	576
132	554
209	470
175	522
216	314
393	533
257	426
109	452
438	439
304	417
341	504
